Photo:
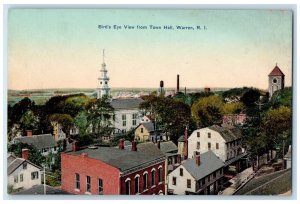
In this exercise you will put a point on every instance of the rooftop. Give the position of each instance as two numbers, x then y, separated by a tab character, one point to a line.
38	141
209	163
168	146
39	190
126	103
276	72
228	133
16	163
124	160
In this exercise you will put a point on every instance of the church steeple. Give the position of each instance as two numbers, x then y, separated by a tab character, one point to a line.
103	88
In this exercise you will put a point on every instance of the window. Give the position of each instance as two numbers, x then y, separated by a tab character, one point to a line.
198	134
88	184
77	180
209	135
25	165
217	145
16	179
34	175
100	82
174	181
21	177
188	183
181	171
136	184
105	82
214	175
209	145
153	178
203	182
127	184
54	148
198	145
145	181
142	130
208	178
221	171
100	186
124	120
159	175
134	117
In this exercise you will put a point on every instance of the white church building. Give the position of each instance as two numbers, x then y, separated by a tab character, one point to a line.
127	114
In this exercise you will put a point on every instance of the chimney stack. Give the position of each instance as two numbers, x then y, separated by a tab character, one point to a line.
133	146
197	157
29	133
25	154
158	144
121	144
178	158
177	90
75	146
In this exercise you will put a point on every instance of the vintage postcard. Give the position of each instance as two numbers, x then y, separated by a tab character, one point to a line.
149	102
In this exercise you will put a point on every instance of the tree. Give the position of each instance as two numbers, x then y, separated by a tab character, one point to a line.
100	114
208	111
81	122
65	120
29	121
34	155
250	97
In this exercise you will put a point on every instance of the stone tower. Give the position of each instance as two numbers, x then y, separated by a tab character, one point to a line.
103	88
276	80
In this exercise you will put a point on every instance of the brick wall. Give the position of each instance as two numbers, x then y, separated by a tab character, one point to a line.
72	164
158	187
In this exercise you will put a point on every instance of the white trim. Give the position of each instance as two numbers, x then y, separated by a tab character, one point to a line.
137	175
128	179
160	192
145	172
160	166
153	169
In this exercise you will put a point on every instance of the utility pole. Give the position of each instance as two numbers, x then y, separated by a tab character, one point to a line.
44	181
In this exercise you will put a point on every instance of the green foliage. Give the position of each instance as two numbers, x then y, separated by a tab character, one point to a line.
29	121
81	122
232	108
235	92
126	136
65	120
99	114
282	98
34	155
53	179
208	111
250	97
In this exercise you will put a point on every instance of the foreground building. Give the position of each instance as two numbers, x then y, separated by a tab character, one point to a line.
200	175
22	174
112	171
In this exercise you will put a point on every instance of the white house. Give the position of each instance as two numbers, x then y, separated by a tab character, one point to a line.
201	175
224	141
22	174
127	113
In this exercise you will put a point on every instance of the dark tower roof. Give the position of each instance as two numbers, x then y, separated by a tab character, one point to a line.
276	72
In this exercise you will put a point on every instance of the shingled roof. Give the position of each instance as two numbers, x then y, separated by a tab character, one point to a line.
209	163
38	141
168	146
124	160
16	163
228	133
276	72
126	103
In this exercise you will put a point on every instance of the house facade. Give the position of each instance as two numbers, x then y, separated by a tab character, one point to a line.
144	132
22	174
58	132
127	113
200	175
112	171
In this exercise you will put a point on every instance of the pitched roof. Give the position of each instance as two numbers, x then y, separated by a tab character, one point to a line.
181	139
276	72
149	148
39	190
38	141
121	159
168	146
209	163
126	103
149	126
228	133
16	163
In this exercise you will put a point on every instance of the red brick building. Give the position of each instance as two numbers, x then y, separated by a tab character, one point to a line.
112	171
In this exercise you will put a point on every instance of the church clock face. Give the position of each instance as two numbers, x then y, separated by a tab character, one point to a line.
275	81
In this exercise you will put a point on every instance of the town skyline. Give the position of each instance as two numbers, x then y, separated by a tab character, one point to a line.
69	47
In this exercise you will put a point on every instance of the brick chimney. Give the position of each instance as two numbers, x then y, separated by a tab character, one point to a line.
121	144
84	154
197	158
179	159
158	144
75	146
29	133
25	154
133	146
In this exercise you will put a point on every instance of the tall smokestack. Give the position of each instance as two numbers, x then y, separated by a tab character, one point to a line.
121	144
177	90
29	133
